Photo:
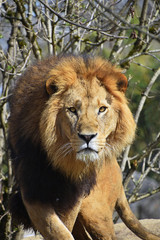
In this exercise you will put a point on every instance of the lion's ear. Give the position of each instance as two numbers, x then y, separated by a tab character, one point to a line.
122	82
51	87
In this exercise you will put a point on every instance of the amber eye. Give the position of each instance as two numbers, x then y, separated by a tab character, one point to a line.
102	109
72	110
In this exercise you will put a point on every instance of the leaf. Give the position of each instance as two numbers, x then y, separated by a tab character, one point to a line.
9	67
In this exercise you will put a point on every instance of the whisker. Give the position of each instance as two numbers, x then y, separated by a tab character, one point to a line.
63	150
109	145
68	152
63	147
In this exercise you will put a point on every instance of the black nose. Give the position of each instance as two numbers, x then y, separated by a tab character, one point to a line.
87	138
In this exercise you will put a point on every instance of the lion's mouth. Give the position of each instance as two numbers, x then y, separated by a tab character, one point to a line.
87	150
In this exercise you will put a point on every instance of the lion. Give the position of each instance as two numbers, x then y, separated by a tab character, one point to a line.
69	121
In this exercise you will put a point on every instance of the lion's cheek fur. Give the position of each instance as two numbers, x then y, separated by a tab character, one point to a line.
125	130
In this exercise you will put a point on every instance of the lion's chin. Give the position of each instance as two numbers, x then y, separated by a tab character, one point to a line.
87	155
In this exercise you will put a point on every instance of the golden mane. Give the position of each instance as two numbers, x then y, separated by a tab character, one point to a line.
66	74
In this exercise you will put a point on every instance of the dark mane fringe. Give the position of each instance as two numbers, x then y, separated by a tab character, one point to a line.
42	183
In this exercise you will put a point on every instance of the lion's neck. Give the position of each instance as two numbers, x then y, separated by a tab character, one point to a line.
73	168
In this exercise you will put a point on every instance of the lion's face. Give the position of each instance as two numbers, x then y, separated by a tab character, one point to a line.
87	119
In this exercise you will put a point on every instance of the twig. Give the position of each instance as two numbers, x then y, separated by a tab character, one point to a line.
140	197
29	30
81	25
137	115
142	65
148	149
145	172
88	24
49	29
4	99
130	26
146	93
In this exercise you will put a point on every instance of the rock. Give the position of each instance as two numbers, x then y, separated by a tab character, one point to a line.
123	233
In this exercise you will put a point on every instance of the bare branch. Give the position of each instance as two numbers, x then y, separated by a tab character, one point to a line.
130	26
146	93
81	25
137	115
29	29
140	197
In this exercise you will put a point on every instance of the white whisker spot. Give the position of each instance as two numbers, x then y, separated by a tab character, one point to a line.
87	155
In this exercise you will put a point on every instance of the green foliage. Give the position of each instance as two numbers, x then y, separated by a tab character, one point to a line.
149	118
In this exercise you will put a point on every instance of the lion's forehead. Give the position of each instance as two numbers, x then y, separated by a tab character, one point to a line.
90	93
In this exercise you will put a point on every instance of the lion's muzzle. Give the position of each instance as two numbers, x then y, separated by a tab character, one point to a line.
87	138
88	150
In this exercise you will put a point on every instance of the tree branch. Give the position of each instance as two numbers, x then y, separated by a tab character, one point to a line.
81	25
130	26
137	115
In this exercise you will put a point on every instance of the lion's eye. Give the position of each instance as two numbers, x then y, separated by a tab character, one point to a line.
102	109
72	110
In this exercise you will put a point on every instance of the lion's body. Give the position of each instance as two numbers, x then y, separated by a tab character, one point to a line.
69	120
97	209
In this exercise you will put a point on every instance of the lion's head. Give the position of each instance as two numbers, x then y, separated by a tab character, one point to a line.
86	119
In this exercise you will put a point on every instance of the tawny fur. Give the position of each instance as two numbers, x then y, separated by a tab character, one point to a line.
69	121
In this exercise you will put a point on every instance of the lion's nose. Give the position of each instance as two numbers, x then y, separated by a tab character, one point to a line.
87	138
